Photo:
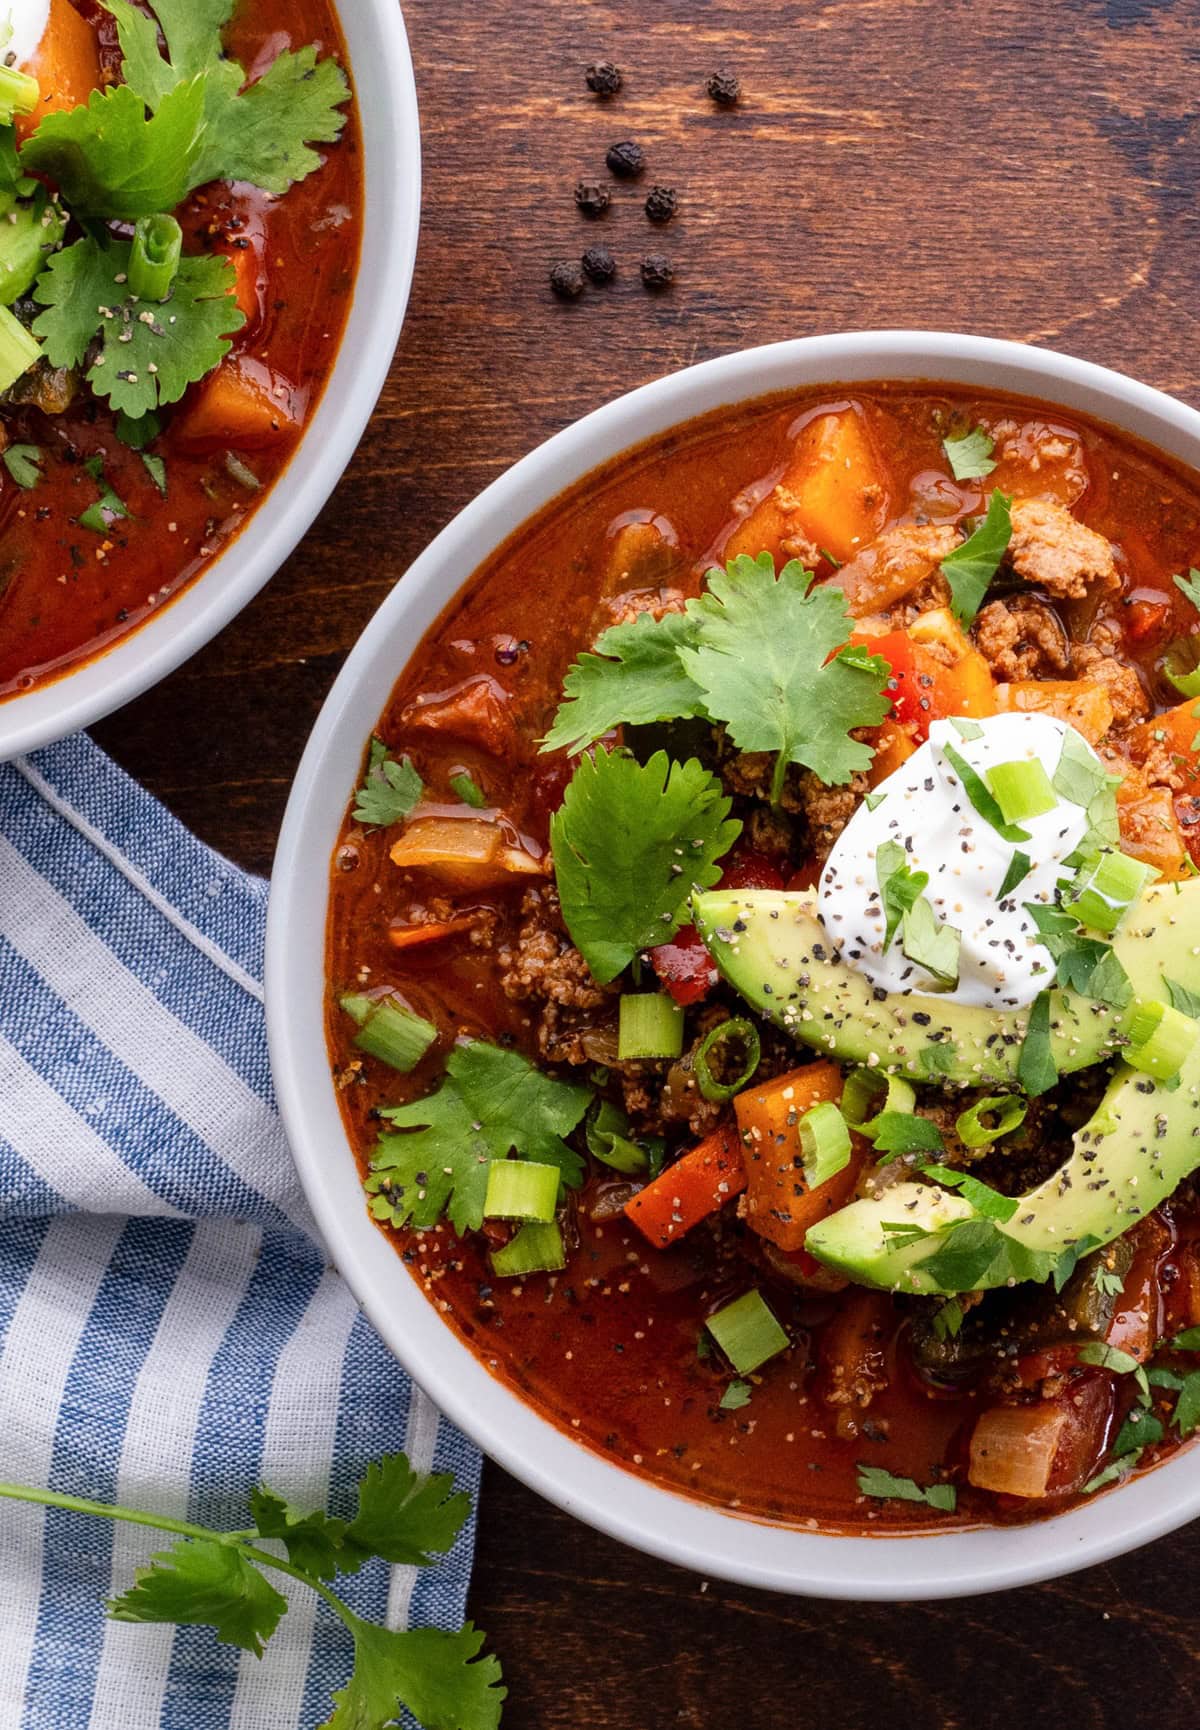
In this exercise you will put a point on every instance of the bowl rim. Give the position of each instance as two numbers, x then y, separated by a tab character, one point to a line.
86	691
709	1540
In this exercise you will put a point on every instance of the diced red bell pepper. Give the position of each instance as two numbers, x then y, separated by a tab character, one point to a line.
684	965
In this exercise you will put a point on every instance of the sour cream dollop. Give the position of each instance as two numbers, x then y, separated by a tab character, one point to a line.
27	20
925	808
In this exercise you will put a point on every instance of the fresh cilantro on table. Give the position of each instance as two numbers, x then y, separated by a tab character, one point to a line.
969	454
434	1159
986	1201
219	1579
970	568
150	351
632	676
112	159
874	1481
1084	964
768	662
390	790
24	465
930	943
630	841
900	887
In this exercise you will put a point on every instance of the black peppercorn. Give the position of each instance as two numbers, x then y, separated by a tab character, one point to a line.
566	279
599	263
603	79
724	88
591	197
626	160
657	270
662	203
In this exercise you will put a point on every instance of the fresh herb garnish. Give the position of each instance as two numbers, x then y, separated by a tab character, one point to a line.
947	1320
108	508
873	800
469	791
1019	867
931	944
986	1201
736	1395
900	887
965	728
1189	586
982	797
632	677
1037	1071
1112	1473
24	465
970	568
874	1481
974	1251
156	468
630	841
768	661
1106	1357
1187	1002
969	454
898	1132
390	790
215	1578
1084	964
490	1103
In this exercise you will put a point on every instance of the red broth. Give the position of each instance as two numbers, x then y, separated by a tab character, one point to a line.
66	594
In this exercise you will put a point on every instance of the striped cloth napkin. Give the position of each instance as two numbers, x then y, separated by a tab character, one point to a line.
170	1329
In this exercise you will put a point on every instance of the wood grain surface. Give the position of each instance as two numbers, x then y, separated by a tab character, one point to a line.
1023	168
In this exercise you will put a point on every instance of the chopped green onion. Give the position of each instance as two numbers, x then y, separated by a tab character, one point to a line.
1181	664
609	1141
861	1096
389	1031
1009	1113
468	790
747	1332
154	258
1105	889
824	1143
241	472
736	1031
536	1248
19	94
649	1025
981	795
1022	790
18	348
521	1189
1160	1039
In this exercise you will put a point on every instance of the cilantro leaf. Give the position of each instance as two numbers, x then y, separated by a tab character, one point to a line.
1189	586
192	29
150	350
986	1201
969	454
142	66
970	567
1186	1416
1112	1473
405	1516
947	1320
973	1250
768	666
390	790
490	1103
1037	1071
202	1580
438	1676
110	161
896	1132
1019	867
1187	1002
313	1541
930	943
736	1395
1087	965
265	132
23	463
900	886
1107	1357
632	676
630	841
874	1481
1141	1429
1187	1341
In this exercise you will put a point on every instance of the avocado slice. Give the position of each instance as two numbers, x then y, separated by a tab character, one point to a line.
1142	1141
772	947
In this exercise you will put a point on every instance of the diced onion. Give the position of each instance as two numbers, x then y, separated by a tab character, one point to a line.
1013	1449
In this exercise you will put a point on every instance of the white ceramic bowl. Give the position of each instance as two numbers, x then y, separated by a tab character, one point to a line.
387	109
655	1519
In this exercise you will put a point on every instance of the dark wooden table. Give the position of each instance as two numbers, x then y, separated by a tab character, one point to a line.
1025	168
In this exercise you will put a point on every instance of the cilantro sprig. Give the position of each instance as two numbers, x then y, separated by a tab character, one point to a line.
970	568
390	789
885	1487
220	1579
630	842
633	676
900	887
969	454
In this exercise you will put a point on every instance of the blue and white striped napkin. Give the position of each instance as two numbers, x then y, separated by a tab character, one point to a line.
170	1329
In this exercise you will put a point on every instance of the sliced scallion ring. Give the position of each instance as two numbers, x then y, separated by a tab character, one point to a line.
824	1143
1160	1039
536	1248
735	1031
1006	1109
867	1095
747	1332
1105	889
521	1189
1181	664
389	1030
649	1024
1022	790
